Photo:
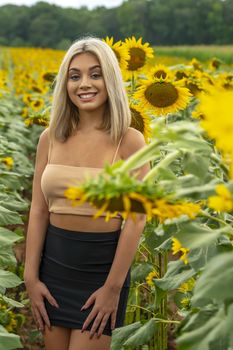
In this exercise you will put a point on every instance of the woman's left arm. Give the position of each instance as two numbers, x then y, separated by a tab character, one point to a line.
106	298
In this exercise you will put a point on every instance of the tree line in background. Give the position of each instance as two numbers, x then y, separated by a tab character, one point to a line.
161	22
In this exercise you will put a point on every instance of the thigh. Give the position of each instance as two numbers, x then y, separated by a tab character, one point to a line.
57	338
80	341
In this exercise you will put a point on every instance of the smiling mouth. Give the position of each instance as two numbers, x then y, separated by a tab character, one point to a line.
87	96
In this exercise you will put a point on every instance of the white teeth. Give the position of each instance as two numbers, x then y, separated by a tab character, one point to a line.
86	96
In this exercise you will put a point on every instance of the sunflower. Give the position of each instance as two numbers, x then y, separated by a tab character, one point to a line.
37	104
215	63
181	74
139	54
27	98
24	112
149	278
177	248
49	76
165	210
140	121
197	82
160	71
224	81
121	52
223	201
187	286
8	161
163	96
216	106
196	64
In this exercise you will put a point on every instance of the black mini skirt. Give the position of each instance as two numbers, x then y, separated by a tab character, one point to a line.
74	265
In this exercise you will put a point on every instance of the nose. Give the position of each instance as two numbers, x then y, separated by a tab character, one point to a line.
85	82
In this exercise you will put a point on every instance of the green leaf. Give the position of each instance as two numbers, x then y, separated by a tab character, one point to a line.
173	282
143	334
177	273
195	164
14	205
165	246
199	257
119	335
140	271
9	279
8	217
199	317
7	257
216	281
12	302
8	236
9	341
164	174
194	235
201	337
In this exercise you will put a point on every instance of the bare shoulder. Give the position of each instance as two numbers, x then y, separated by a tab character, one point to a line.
44	137
132	141
43	144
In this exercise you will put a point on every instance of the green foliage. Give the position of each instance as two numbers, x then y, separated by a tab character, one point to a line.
121	334
214	283
201	52
176	274
14	179
170	22
9	341
208	333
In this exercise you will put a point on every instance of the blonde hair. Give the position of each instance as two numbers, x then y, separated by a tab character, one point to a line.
64	114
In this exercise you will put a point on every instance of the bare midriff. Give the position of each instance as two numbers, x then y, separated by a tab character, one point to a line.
84	223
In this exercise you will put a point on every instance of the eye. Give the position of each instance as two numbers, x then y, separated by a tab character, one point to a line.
74	77
96	75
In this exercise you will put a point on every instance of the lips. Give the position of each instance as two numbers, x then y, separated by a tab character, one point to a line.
87	96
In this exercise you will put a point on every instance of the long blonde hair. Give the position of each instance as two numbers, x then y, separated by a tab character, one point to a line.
64	114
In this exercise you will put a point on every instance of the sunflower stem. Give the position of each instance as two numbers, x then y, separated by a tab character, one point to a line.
162	164
203	213
139	158
220	162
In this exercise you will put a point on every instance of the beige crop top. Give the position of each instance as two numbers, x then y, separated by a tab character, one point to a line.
56	178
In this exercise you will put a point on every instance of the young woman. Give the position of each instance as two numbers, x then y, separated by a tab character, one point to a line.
77	269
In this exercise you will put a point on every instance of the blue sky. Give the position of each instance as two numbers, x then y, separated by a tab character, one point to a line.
67	3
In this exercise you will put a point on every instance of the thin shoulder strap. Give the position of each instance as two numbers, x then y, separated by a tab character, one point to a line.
117	150
50	150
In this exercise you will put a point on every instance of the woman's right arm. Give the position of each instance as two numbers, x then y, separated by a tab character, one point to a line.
37	228
38	215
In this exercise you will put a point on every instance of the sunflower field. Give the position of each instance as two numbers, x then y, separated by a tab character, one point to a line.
181	280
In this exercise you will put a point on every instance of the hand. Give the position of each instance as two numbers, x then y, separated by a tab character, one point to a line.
106	302
37	290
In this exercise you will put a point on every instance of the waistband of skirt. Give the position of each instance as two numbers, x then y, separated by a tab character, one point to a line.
84	234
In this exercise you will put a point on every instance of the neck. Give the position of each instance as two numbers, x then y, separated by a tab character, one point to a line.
89	120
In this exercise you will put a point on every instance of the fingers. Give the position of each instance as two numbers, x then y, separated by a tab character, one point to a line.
37	292
96	324
50	298
89	302
38	319
89	318
113	320
45	315
41	315
102	325
100	321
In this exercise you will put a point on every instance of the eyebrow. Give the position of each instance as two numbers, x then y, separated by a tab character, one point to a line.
91	68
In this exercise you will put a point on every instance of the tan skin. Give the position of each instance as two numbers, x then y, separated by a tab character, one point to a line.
84	77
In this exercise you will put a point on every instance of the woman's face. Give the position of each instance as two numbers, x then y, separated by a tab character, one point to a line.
85	86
